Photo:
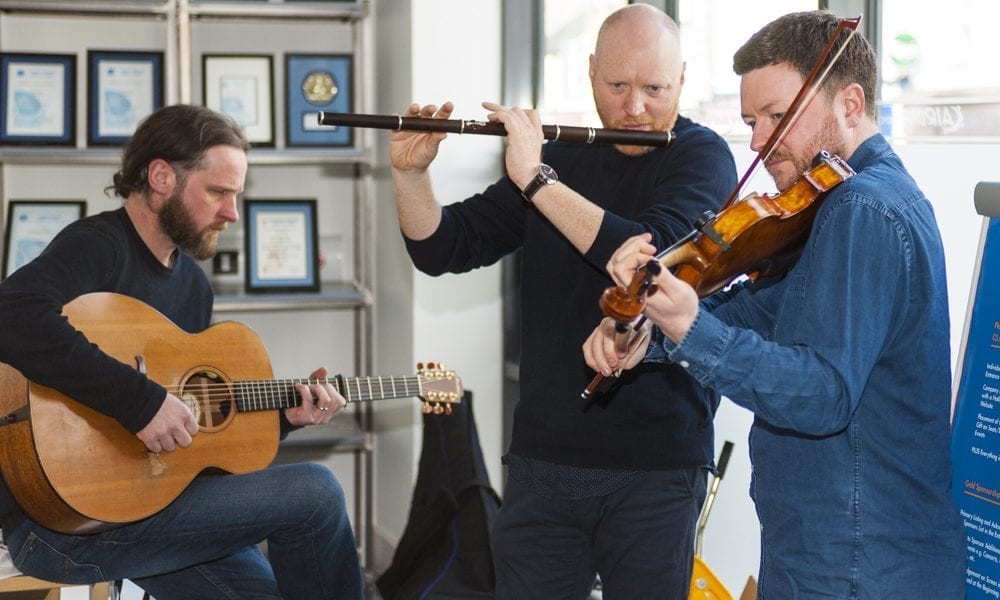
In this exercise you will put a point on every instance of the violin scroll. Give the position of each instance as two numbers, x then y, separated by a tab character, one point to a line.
625	304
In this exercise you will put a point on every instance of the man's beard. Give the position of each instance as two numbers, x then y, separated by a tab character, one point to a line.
177	223
665	124
827	140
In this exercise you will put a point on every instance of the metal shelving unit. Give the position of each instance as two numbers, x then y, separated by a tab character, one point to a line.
179	19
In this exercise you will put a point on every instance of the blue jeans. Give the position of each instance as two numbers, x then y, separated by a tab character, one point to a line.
640	539
204	544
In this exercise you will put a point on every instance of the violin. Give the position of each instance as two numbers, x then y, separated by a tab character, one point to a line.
758	236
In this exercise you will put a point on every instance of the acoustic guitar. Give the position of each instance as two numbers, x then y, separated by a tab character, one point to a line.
76	471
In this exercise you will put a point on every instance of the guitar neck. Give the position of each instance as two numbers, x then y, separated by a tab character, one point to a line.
280	393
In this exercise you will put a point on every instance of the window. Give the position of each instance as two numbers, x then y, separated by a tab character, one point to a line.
938	80
570	34
711	32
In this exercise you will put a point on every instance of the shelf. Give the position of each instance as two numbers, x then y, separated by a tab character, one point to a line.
333	295
135	7
54	155
346	11
342	434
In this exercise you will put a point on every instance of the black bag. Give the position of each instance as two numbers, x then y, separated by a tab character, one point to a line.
445	550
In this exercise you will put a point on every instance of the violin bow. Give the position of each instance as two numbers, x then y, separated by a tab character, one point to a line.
810	87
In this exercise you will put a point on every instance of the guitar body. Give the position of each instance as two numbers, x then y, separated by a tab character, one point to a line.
75	470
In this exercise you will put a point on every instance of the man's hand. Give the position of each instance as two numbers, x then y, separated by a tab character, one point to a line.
632	254
607	351
413	151
172	426
524	141
673	307
320	401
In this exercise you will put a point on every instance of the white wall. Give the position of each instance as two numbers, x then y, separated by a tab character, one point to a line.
422	56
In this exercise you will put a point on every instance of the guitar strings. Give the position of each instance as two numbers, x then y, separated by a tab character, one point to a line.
217	394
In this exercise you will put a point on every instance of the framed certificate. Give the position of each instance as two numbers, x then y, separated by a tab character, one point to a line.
38	99
240	86
314	83
123	88
282	251
31	225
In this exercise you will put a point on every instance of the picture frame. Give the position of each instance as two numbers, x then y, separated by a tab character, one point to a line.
38	99
314	83
282	246
240	85
123	88
31	225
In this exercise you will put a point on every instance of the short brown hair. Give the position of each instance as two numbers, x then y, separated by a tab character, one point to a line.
798	39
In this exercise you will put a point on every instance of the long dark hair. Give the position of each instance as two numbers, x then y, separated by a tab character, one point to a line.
179	134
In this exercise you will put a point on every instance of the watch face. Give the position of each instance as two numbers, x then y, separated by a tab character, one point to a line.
547	173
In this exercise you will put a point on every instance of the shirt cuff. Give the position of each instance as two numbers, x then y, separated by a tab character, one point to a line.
698	352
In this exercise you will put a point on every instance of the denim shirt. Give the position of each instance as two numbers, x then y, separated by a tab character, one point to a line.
845	364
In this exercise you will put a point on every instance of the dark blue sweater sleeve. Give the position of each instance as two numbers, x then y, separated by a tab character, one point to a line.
473	233
40	342
694	177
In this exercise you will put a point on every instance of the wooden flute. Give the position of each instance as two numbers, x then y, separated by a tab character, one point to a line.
566	133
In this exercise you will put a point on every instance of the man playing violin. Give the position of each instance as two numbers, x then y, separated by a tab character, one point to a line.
844	360
614	489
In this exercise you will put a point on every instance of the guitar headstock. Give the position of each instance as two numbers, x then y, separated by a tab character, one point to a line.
439	388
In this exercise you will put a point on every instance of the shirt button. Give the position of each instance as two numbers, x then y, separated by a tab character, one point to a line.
685	364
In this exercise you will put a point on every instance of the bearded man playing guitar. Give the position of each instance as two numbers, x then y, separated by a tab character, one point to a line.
181	174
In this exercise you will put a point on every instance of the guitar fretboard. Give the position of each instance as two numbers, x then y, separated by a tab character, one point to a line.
280	393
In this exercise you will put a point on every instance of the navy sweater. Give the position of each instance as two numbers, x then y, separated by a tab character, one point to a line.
657	417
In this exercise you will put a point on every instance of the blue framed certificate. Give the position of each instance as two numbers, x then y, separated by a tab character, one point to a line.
314	83
240	86
282	249
123	89
38	99
31	225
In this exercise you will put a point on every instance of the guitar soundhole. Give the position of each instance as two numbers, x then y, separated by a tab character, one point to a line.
210	397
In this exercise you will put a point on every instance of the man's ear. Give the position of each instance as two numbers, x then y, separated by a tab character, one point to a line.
854	104
161	177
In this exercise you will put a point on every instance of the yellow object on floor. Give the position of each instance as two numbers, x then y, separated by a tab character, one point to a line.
705	585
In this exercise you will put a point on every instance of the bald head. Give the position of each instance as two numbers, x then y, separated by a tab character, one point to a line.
636	71
639	26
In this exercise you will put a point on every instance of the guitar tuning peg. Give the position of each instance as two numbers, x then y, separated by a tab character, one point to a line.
447	409
431	366
425	408
437	409
420	366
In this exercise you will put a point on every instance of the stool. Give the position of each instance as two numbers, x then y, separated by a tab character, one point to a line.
23	587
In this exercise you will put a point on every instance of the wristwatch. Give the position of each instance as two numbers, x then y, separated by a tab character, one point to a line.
546	176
